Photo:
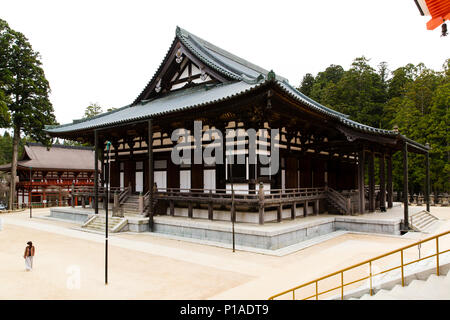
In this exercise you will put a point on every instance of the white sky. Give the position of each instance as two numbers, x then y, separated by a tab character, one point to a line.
107	51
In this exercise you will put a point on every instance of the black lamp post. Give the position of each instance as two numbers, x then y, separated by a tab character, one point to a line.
108	144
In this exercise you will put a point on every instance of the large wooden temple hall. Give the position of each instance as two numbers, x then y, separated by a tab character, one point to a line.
326	160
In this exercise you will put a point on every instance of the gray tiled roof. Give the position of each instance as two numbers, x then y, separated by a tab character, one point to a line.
174	101
245	76
57	157
221	60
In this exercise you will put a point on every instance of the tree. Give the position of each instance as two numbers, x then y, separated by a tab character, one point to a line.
26	90
92	110
413	97
324	82
307	84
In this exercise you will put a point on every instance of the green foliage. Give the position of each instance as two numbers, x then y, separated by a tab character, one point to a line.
24	87
307	84
6	147
413	97
92	110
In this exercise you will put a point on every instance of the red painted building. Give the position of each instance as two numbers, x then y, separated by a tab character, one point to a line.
52	172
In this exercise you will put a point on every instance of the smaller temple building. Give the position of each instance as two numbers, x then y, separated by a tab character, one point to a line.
47	175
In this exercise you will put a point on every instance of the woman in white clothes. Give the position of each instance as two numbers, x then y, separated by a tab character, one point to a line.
28	256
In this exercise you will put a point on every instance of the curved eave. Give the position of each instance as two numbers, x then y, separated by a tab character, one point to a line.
329	113
154	115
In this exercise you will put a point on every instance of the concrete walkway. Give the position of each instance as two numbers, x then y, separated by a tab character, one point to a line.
69	263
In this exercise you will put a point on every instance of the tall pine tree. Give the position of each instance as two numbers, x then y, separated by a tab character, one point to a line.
25	90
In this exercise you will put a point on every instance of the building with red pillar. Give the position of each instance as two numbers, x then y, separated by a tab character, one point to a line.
47	175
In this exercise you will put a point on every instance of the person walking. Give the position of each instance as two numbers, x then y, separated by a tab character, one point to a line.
28	256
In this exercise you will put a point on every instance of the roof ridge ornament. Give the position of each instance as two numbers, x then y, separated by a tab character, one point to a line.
158	86
271	75
179	58
203	74
250	80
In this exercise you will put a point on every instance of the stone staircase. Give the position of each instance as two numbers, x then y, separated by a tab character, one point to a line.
423	221
338	202
131	205
336	208
433	288
98	223
423	273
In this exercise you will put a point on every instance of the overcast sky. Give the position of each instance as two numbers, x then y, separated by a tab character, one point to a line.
106	51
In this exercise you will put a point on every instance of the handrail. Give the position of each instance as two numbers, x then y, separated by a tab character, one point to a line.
124	194
344	202
371	275
146	201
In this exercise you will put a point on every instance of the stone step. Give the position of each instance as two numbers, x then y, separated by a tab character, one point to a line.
99	222
131	205
423	219
434	288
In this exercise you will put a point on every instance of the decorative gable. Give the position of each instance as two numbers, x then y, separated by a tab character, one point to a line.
180	69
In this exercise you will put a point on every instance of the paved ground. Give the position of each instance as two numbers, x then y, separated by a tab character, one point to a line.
69	264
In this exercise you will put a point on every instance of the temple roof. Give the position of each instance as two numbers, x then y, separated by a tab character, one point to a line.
58	157
198	96
237	76
221	60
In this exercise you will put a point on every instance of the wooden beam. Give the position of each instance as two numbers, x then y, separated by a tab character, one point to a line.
371	182
96	172
150	173
389	182
361	163
405	185
382	184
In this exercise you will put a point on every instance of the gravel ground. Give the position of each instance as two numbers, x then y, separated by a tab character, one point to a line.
69	264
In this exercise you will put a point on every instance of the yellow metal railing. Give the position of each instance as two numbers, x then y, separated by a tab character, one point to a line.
371	274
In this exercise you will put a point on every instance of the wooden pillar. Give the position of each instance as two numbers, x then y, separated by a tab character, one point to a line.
305	208
294	205
261	203
389	182
279	212
172	208
44	199
382	184
316	207
427	180
361	162
150	174
73	195
95	173
405	185
371	172
210	207
190	210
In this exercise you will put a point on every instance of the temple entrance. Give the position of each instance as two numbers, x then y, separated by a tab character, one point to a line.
209	179
139	177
